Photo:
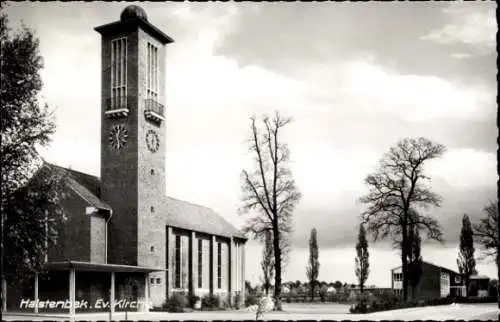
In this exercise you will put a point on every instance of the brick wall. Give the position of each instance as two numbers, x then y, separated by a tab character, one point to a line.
429	284
119	168
73	242
151	175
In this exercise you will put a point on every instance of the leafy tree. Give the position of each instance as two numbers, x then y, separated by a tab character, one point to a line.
396	189
269	191
414	258
337	285
29	197
466	261
267	263
487	234
312	269
362	257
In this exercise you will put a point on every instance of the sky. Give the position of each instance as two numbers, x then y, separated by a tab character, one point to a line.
354	77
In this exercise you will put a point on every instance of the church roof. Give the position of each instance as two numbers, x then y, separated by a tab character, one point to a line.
85	185
183	214
180	214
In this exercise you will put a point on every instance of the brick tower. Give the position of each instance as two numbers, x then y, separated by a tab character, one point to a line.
132	131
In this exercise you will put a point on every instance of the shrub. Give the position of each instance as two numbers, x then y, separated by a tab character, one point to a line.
237	301
225	302
176	303
210	302
192	299
366	304
251	299
323	293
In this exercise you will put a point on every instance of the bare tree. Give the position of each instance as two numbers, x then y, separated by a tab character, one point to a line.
396	189
269	191
486	232
267	263
312	268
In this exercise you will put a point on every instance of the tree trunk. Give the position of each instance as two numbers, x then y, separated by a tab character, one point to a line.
404	262
277	263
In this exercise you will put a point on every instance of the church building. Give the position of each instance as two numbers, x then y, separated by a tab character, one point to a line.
124	238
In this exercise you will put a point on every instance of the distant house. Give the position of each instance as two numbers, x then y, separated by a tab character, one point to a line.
331	290
437	281
479	286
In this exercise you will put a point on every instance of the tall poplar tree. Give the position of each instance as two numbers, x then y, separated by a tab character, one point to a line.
312	268
466	261
267	262
362	258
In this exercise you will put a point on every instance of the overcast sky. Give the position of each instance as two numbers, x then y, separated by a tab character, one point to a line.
355	78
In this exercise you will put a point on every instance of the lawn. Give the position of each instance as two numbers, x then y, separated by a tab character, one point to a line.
306	311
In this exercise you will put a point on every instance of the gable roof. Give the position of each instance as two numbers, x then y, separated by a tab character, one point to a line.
90	182
179	213
479	277
85	185
431	264
183	214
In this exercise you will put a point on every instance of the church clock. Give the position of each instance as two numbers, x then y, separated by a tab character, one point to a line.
118	136
152	141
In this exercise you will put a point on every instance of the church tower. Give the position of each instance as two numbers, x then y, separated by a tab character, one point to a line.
132	129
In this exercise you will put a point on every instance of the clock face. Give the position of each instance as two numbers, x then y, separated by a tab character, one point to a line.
152	141
118	136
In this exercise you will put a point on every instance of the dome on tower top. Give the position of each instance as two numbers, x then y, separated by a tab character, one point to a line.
133	12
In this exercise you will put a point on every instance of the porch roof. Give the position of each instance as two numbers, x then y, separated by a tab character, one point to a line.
97	267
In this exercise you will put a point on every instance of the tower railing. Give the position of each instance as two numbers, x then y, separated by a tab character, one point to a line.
153	110
117	106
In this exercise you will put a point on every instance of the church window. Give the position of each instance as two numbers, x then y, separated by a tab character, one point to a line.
200	263
152	249
158	281
119	73
177	261
219	265
152	209
152	171
152	280
152	73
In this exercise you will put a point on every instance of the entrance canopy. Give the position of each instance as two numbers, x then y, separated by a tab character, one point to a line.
96	267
